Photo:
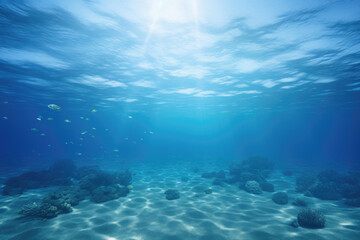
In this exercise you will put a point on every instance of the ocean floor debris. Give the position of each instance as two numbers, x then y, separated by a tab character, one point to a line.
172	194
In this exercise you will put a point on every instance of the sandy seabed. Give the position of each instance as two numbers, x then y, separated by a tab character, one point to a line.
145	214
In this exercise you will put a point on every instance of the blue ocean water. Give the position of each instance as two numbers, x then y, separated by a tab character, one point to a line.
172	91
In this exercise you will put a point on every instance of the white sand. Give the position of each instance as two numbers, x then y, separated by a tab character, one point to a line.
145	214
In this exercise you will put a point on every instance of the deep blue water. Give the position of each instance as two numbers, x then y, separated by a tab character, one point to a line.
208	81
185	82
325	138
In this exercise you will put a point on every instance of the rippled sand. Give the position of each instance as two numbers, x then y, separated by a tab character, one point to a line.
227	213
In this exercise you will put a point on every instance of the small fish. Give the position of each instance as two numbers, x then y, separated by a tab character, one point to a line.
49	145
39	118
42	134
66	143
81	139
94	110
126	139
87	119
71	142
5	118
79	154
93	128
116	150
6	102
106	129
151	132
33	129
141	139
54	107
67	121
81	117
92	136
130	117
145	132
83	133
50	119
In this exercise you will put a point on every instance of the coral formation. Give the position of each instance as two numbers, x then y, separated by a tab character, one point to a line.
253	187
325	191
254	164
331	185
87	181
280	198
252	169
59	174
310	218
58	202
62	173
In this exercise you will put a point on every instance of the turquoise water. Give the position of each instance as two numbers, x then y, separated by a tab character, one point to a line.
175	92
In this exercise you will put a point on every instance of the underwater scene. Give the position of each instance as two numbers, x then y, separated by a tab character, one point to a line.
179	120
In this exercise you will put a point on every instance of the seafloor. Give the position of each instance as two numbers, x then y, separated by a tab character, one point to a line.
227	213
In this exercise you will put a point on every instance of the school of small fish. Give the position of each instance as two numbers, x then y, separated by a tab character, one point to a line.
84	133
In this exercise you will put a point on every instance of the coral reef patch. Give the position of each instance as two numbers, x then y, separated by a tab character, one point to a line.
75	183
310	218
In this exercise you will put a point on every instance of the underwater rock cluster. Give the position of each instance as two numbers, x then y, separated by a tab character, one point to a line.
252	176
254	169
172	194
59	174
76	185
249	174
331	185
280	198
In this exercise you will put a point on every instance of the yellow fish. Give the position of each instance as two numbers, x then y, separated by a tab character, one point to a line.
54	107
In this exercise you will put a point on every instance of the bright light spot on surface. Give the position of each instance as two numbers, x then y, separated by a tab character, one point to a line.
173	12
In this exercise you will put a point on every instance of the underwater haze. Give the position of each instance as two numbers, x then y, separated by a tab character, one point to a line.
179	119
